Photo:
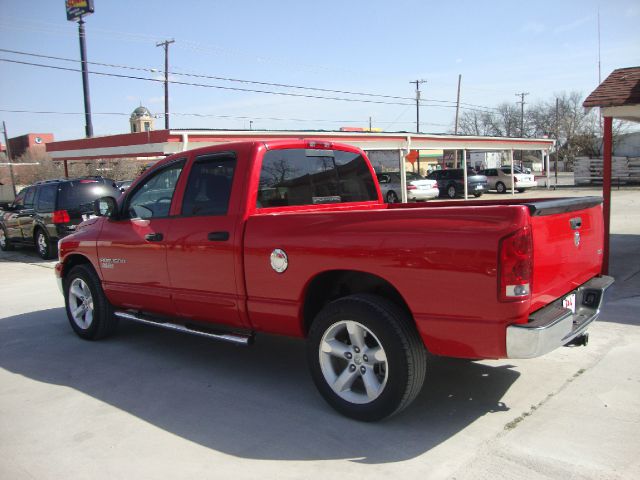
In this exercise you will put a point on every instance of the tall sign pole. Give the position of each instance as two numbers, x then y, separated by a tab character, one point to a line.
76	10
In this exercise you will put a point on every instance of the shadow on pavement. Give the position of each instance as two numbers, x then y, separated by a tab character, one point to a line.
256	402
622	300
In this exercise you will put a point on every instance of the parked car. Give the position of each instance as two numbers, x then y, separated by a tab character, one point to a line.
47	211
123	185
418	188
451	182
499	179
292	237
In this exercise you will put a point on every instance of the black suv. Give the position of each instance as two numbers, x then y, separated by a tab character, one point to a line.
45	212
451	182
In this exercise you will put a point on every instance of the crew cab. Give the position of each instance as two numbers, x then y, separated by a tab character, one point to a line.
291	237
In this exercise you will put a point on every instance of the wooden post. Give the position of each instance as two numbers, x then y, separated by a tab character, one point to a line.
606	190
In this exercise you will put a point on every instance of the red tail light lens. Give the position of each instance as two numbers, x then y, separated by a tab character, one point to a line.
411	187
61	216
515	267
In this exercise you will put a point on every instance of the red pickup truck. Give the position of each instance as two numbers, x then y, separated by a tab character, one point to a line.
293	237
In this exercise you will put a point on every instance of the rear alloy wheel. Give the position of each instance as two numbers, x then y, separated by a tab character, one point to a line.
392	197
5	243
500	187
90	313
43	245
366	357
451	191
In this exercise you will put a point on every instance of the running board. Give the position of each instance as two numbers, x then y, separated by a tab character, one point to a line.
237	338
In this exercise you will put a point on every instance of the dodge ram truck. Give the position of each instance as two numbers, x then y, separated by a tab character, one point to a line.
293	237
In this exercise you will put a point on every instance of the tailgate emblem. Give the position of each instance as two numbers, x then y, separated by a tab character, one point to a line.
576	238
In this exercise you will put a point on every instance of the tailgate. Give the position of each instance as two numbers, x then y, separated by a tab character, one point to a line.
568	237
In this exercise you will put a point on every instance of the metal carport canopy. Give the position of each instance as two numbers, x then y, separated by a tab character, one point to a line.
167	142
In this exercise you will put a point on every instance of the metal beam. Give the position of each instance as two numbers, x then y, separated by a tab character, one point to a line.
606	190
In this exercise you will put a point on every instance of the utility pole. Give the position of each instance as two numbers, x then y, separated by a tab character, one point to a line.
250	124
457	112
522	102
166	44
6	142
557	136
85	79
458	103
418	82
370	124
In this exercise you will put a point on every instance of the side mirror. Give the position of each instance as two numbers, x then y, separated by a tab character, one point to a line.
105	207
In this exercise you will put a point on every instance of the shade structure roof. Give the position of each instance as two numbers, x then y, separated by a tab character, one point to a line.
619	95
167	142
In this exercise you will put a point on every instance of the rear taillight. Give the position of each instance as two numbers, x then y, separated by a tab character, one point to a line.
515	179
61	216
515	266
411	187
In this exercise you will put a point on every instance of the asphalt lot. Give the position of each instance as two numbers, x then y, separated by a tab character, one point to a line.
155	404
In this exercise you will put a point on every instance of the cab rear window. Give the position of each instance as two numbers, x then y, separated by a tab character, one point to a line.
314	176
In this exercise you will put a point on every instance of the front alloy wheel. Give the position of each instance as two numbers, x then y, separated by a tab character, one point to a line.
451	191
80	303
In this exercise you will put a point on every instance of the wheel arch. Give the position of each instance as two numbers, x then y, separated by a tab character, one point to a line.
73	260
333	284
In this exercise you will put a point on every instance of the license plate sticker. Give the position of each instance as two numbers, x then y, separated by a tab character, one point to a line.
570	302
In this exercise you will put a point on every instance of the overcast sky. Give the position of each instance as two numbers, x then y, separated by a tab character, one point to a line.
501	48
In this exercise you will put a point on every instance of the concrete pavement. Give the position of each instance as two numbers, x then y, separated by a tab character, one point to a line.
156	404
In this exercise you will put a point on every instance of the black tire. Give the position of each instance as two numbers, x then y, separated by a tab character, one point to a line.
394	331
452	191
477	194
501	187
45	248
5	243
103	322
521	190
392	197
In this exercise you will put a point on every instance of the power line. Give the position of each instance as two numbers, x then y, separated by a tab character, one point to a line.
207	115
253	82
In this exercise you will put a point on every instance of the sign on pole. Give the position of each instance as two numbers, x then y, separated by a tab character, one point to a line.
77	8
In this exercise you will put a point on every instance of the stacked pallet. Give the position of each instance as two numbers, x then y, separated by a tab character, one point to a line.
634	169
590	170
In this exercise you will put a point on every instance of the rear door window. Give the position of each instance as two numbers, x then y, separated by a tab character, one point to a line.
209	186
314	176
46	198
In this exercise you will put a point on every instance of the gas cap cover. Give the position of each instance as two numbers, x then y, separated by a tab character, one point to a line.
279	260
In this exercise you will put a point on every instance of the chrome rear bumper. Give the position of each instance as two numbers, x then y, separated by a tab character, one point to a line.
554	325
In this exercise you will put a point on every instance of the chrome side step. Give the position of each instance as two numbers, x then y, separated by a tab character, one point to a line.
237	338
